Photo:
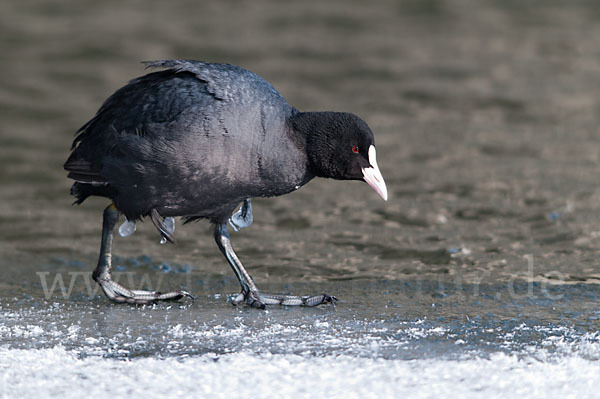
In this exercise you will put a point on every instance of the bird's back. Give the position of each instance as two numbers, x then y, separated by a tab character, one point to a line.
193	140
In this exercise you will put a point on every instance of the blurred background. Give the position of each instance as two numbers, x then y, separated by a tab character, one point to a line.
485	113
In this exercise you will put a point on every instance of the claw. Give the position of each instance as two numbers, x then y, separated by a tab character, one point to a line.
188	295
331	299
316	300
174	295
254	301
251	298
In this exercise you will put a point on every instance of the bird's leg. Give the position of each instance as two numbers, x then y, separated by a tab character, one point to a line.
243	217
113	290
250	293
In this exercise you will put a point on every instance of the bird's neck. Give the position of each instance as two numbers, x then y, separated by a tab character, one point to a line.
315	128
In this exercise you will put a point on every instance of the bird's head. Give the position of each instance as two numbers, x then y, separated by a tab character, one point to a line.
340	146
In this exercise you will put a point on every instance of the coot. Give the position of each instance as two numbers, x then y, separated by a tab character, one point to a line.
197	139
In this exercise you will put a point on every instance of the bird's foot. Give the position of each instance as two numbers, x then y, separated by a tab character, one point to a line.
297	300
117	293
243	217
259	300
249	297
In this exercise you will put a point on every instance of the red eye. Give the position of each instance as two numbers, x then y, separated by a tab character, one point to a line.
355	149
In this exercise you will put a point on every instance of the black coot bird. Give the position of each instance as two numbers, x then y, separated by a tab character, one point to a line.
197	139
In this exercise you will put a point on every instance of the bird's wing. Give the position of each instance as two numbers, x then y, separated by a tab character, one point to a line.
218	77
223	81
145	106
151	104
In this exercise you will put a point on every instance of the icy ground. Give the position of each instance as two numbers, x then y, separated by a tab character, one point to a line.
387	342
61	373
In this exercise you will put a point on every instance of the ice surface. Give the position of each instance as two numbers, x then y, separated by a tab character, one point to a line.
59	372
127	228
75	348
169	224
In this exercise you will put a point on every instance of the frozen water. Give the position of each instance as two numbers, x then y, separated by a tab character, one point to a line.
127	228
381	344
62	373
169	224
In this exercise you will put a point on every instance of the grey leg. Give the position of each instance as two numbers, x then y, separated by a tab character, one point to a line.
115	291
243	217
250	293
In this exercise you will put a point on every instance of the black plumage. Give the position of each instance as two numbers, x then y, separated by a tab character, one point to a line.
197	139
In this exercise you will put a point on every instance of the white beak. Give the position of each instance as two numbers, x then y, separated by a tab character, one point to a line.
373	176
